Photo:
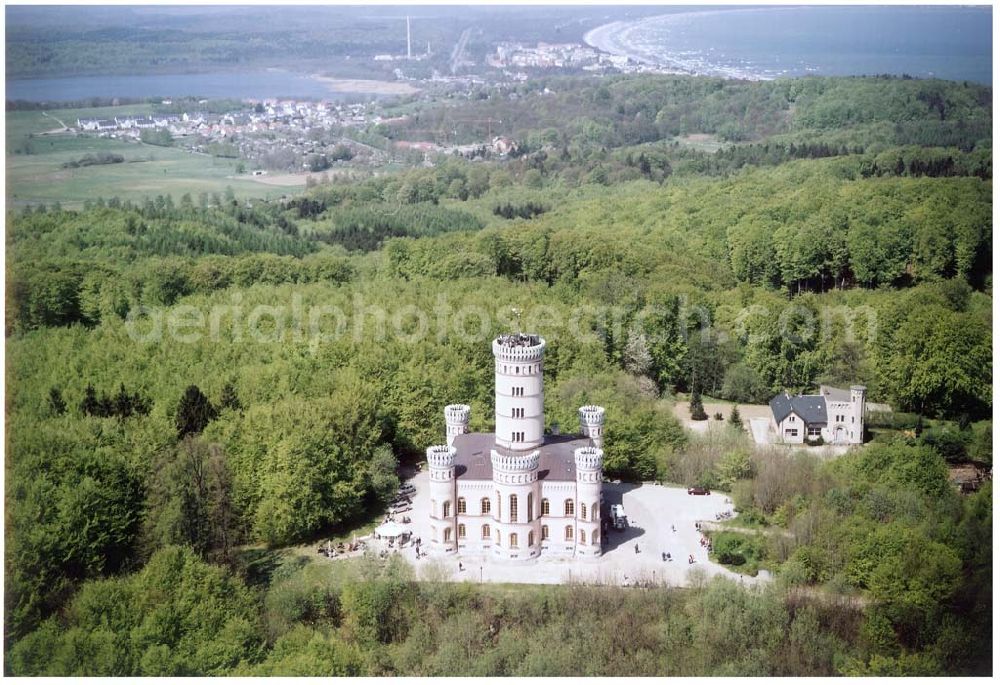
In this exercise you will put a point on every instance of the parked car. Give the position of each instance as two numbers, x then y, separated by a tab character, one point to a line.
699	491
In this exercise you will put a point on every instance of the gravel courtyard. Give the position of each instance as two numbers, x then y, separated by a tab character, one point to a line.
651	510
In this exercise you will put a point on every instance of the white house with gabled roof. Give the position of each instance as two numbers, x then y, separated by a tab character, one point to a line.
835	415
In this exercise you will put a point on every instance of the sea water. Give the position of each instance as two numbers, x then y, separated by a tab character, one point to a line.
770	42
258	84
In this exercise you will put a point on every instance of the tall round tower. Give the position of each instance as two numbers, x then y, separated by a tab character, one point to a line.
589	464
516	505
520	415
592	423
444	515
456	420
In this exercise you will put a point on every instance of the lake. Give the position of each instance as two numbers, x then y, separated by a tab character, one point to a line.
260	84
763	43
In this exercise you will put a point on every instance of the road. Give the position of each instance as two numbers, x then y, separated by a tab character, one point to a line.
456	53
64	128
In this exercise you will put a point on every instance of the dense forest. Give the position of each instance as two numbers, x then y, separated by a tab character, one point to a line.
177	422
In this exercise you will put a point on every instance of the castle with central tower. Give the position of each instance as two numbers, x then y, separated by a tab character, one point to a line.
517	494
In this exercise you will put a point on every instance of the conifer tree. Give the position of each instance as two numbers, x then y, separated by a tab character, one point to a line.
56	402
697	408
229	399
194	412
735	419
89	405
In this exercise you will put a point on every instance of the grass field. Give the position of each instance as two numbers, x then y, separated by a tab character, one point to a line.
35	159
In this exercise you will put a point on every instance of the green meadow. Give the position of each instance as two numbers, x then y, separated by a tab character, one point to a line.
36	154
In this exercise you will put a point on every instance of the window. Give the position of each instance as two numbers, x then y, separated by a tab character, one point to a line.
545	507
545	532
594	537
531	514
513	540
513	508
446	509
568	508
498	504
461	530
486	532
814	431
484	505
569	533
595	512
461	505
447	534
517	369
531	538
793	432
852	419
583	511
583	537
498	536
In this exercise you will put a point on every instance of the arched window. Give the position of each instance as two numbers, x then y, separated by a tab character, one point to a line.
461	505
446	509
531	514
513	540
583	511
486	532
595	512
484	505
513	508
545	532
583	537
531	538
594	537
569	533
545	507
568	508
461	530
447	534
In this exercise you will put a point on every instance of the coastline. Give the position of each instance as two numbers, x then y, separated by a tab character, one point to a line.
365	86
612	38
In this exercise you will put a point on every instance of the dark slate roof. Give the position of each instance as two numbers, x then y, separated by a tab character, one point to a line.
555	461
810	408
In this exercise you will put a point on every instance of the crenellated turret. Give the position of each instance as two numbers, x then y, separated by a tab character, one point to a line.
520	414
589	465
592	423
857	428
444	508
456	420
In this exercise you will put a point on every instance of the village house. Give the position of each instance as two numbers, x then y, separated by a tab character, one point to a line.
835	415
